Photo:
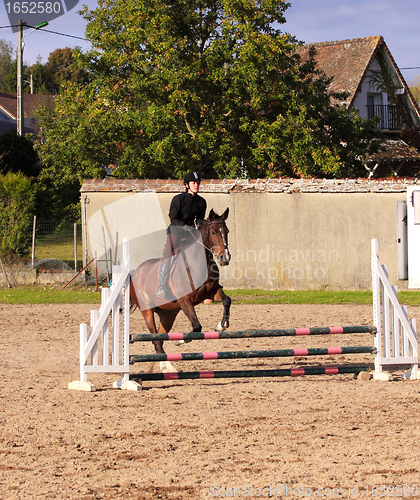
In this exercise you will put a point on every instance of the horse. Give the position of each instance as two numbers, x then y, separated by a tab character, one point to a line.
193	278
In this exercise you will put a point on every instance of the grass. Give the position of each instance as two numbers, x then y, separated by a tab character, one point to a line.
54	240
315	297
84	295
63	250
48	295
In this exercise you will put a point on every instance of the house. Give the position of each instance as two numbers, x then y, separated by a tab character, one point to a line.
365	70
31	102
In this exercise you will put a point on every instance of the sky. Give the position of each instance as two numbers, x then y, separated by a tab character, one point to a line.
309	21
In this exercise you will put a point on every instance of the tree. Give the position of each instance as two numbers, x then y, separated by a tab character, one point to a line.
60	68
415	88
210	85
48	77
6	66
8	69
41	80
6	50
17	202
17	154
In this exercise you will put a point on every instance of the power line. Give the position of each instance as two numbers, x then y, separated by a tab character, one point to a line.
415	67
64	34
48	31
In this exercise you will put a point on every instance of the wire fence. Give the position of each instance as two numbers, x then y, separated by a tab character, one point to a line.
57	240
56	257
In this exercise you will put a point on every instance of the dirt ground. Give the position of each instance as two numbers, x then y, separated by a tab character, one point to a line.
318	436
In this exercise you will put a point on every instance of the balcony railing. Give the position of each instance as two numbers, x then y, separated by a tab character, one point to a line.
389	116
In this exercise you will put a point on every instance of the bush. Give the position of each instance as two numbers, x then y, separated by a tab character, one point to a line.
17	208
17	154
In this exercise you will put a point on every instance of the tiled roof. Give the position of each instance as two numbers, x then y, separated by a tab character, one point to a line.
31	102
346	61
283	185
395	149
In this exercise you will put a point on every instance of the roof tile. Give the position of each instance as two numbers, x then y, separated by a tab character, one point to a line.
282	185
345	60
31	102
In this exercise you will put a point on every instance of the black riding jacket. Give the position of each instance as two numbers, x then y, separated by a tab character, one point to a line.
187	210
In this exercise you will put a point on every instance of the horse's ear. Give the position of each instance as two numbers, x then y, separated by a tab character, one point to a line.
225	214
211	215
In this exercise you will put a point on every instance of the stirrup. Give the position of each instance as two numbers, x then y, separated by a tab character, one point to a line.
160	292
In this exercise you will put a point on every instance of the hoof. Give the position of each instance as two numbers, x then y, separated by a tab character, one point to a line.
180	342
220	328
167	367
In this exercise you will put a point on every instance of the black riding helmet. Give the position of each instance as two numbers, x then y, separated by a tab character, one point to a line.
191	177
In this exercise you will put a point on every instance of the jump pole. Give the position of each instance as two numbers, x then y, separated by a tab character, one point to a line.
293	372
192	356
290	332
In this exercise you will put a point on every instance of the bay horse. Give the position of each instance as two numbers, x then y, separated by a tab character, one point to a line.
193	278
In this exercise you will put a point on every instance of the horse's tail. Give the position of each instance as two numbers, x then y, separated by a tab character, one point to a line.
133	306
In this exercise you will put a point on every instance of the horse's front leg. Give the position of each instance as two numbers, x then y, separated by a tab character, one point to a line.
167	319
189	311
226	301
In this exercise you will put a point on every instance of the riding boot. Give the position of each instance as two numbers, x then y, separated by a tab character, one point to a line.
163	280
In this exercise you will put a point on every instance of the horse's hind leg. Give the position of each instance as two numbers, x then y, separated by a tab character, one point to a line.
226	301
149	319
167	319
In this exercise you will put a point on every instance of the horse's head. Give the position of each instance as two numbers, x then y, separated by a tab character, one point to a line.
215	236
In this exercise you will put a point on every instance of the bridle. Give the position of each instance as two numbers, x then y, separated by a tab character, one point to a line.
209	237
225	245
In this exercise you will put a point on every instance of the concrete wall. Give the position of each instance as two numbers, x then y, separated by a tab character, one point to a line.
291	236
310	241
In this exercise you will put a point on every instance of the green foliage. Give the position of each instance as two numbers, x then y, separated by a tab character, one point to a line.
60	68
415	88
58	203
17	202
6	51
210	85
17	154
47	78
40	78
8	69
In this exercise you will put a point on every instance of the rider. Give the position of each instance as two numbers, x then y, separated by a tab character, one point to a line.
187	211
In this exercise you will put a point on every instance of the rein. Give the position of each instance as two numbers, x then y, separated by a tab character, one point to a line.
210	249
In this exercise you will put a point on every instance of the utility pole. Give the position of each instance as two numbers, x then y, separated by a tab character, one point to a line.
19	87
